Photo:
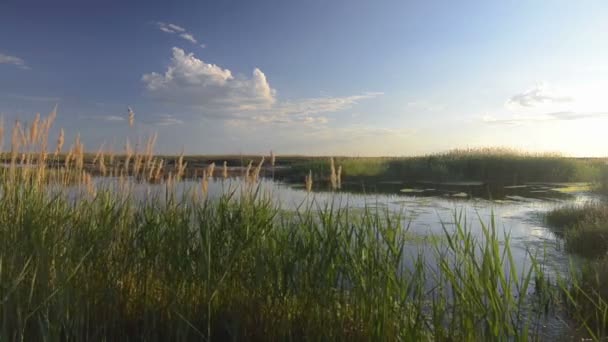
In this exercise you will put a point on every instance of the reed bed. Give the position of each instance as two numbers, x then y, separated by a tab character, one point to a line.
502	166
84	261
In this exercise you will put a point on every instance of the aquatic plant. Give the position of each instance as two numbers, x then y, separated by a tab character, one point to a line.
81	261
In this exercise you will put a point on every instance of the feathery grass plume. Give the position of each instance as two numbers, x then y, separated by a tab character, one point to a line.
210	169
68	158
1	133
88	182
131	117
180	167
339	177
225	170
159	169
150	148
128	155
248	171
102	165
111	157
308	181
99	153
60	141
34	130
15	142
137	164
51	118
332	177
79	153
44	138
151	170
256	172
205	183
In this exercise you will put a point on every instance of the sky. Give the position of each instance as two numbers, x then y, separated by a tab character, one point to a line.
356	77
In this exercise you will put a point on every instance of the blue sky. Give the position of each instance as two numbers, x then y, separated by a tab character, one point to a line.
313	77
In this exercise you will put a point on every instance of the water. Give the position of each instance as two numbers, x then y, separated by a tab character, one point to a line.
427	208
518	212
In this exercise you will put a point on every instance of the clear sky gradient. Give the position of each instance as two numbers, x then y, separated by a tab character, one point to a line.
313	77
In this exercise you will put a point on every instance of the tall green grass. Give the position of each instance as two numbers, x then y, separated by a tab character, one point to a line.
87	261
488	165
110	266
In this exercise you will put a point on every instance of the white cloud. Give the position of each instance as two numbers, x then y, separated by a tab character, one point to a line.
178	30
190	81
215	92
13	60
544	118
113	118
540	94
166	120
170	28
189	37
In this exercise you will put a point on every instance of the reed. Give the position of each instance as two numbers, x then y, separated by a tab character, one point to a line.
103	263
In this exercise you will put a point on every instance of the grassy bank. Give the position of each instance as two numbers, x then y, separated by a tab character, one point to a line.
584	228
486	165
585	232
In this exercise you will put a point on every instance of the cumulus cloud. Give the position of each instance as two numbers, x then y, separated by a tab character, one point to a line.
215	92
538	95
13	60
190	81
179	31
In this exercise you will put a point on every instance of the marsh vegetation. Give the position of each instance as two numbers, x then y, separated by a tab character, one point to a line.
86	255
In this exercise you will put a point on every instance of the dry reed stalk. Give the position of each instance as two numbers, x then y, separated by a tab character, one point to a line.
60	141
79	153
159	168
33	138
15	142
150	146
128	155
88	182
51	118
151	170
111	157
332	176
308	181
248	171
339	177
225	170
131	117
1	133
210	169
44	139
180	167
137	165
170	180
99	153
256	173
205	183
68	158
40	174
102	165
